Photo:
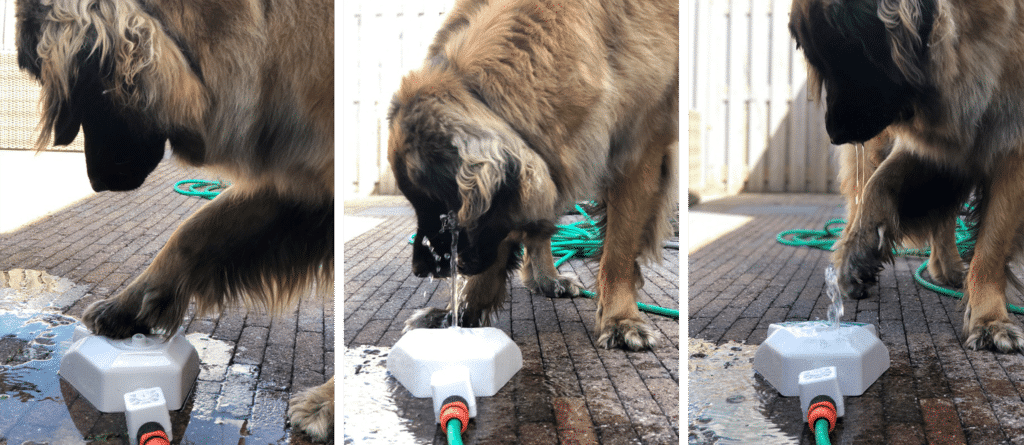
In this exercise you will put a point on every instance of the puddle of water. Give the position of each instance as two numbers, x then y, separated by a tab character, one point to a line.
218	412
28	290
726	403
372	414
31	403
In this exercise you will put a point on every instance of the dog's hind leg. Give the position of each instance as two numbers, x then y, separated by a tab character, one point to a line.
944	263
539	273
987	324
261	249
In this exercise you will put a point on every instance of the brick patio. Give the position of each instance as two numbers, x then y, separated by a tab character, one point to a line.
934	392
251	362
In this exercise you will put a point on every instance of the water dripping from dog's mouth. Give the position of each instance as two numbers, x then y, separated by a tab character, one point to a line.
450	225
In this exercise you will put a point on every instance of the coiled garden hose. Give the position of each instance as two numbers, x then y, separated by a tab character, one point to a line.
200	188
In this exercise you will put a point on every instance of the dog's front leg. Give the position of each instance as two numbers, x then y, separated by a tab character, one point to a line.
312	411
258	248
870	234
987	324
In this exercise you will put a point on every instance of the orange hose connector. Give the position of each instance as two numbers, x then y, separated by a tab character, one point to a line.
824	409
456	410
153	434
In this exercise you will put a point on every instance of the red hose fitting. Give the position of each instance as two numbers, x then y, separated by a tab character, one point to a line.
153	434
822	407
454	407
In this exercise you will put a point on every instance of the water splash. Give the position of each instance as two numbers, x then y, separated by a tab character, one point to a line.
835	310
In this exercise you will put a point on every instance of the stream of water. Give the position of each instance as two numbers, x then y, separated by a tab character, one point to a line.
835	311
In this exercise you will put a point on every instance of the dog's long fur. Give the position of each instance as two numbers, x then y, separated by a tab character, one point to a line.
522	107
241	86
944	76
857	165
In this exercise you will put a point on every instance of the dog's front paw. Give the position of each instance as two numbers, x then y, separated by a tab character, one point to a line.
630	334
555	287
111	318
947	272
312	411
1001	335
857	267
428	318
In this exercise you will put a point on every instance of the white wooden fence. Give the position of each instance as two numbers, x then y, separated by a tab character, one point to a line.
755	129
381	41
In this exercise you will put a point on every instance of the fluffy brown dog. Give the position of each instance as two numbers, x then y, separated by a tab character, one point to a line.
944	77
523	107
857	165
242	86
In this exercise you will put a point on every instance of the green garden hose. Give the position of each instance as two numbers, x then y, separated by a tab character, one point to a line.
820	432
454	435
200	188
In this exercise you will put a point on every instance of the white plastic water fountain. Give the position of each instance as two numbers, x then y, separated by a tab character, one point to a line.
793	347
429	363
142	376
454	361
815	358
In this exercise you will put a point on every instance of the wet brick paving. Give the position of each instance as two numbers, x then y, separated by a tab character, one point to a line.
935	391
569	390
251	362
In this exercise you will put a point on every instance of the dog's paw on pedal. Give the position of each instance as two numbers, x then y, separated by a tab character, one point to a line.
110	318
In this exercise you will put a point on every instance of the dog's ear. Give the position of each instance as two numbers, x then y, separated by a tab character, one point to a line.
498	168
909	24
486	166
